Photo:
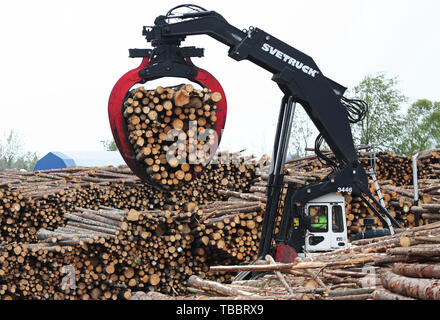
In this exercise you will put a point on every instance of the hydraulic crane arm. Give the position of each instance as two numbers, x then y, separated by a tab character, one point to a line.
297	74
301	81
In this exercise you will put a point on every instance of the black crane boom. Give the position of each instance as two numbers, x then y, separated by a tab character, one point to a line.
301	81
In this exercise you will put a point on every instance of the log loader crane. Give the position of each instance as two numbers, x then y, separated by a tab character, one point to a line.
313	217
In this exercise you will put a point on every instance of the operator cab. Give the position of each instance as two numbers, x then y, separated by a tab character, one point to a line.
328	227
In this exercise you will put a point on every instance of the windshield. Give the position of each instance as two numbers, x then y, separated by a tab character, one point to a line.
337	219
319	218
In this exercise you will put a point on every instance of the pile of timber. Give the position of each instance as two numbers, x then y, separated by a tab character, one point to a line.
389	166
156	117
30	201
399	169
226	206
395	180
228	171
69	262
114	252
229	231
33	200
429	163
400	267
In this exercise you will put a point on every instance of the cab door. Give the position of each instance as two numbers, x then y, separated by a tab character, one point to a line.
338	232
318	237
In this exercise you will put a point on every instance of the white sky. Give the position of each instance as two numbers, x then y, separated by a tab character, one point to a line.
60	60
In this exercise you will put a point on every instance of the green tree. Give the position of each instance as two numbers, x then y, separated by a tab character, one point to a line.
383	123
109	145
12	155
421	127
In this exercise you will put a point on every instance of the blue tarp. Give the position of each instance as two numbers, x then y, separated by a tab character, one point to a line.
54	160
59	160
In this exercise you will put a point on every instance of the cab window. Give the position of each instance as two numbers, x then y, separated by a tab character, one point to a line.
337	219
319	219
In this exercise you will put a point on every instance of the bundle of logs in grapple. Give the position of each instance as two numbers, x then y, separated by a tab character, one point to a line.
156	118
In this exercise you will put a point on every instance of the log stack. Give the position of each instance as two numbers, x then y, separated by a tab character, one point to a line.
122	236
388	166
399	267
115	252
229	231
163	244
227	171
45	196
172	131
395	179
66	262
30	201
429	163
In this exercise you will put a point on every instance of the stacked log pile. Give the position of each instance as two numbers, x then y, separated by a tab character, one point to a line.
114	252
30	201
429	162
156	117
70	262
50	220
229	231
389	166
227	171
45	196
400	267
394	174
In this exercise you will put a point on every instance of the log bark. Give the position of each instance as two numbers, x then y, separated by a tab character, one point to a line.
417	270
270	260
383	294
212	286
424	289
416	251
358	297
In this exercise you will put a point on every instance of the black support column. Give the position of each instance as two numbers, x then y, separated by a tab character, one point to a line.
276	175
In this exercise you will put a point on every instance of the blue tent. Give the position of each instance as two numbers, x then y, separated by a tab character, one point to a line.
59	160
54	160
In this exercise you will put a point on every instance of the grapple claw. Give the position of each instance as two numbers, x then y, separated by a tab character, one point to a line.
118	95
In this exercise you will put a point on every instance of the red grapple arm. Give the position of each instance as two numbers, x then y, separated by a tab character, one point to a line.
119	126
207	80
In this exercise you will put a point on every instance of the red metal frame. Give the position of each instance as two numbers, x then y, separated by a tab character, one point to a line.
285	254
205	79
117	121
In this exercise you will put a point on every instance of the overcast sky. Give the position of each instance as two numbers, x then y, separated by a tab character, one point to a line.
60	60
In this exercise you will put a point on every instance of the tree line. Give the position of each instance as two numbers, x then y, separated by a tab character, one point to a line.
12	155
390	123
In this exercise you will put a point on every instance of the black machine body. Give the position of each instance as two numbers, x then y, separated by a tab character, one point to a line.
301	80
295	223
168	60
